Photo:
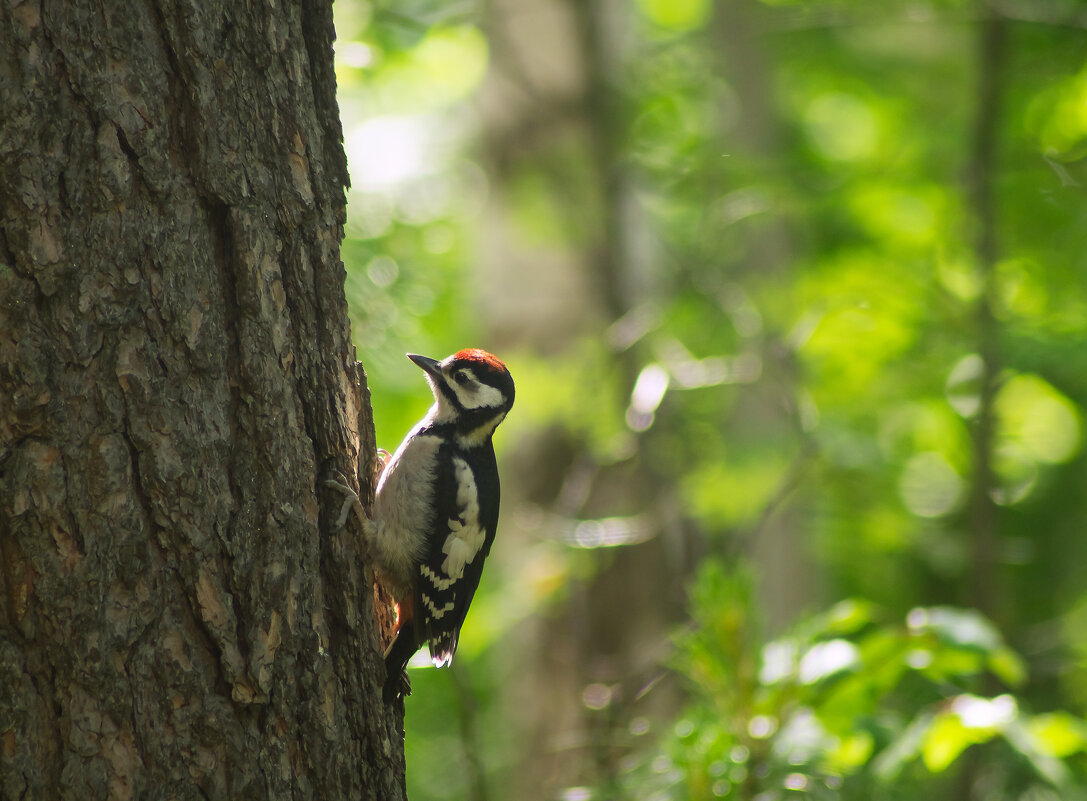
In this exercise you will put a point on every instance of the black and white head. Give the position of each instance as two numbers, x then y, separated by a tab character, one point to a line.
473	389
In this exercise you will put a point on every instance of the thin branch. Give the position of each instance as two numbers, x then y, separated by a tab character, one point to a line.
983	166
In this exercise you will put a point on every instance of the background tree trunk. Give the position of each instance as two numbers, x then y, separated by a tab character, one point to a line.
176	379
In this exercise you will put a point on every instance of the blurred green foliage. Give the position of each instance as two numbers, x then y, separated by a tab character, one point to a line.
852	704
805	332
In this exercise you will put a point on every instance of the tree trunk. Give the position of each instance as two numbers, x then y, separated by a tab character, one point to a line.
177	617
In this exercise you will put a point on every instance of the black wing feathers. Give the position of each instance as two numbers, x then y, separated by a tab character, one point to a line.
442	600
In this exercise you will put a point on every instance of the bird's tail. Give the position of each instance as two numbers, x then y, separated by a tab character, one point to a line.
396	663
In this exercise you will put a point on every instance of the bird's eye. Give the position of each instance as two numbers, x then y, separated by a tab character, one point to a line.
461	377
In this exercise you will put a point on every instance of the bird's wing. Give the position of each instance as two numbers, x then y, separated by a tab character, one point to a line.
466	517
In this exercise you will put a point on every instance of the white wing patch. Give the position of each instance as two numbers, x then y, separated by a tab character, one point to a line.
466	534
435	612
438	582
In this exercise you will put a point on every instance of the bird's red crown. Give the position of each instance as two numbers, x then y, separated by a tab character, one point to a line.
480	356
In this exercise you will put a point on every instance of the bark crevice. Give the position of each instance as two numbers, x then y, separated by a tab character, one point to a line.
175	371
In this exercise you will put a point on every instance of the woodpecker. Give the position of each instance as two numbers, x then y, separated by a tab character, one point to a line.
436	508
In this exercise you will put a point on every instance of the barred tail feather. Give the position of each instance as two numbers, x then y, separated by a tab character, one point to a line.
442	648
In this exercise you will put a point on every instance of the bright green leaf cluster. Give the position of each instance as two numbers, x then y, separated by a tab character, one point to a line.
850	700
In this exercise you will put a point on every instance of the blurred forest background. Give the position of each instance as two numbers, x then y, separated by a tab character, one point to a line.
795	297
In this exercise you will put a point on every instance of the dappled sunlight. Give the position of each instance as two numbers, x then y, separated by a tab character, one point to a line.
929	485
1035	416
842	127
386	151
795	298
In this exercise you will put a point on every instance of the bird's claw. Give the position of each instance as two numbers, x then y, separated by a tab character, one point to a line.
381	462
352	501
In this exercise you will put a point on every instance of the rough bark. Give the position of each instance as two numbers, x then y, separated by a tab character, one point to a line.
177	618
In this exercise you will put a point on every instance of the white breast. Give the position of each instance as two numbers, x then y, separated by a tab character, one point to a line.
402	506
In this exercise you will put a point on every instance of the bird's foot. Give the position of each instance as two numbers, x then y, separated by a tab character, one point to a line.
381	462
351	501
396	687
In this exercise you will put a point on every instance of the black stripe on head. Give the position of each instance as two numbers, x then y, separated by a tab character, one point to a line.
486	368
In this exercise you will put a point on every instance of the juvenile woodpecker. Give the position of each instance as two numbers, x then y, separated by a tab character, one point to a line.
436	508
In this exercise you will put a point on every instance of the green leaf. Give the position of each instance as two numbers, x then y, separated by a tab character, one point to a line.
849	616
1007	666
1038	418
826	659
1020	737
962	627
1059	734
953	662
676	15
905	748
945	740
850	753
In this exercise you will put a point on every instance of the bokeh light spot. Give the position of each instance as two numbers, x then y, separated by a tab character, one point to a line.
929	486
842	127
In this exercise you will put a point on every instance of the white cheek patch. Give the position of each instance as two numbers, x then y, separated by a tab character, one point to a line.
477	396
466	535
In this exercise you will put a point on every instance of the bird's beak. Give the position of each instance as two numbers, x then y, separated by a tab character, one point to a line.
431	366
